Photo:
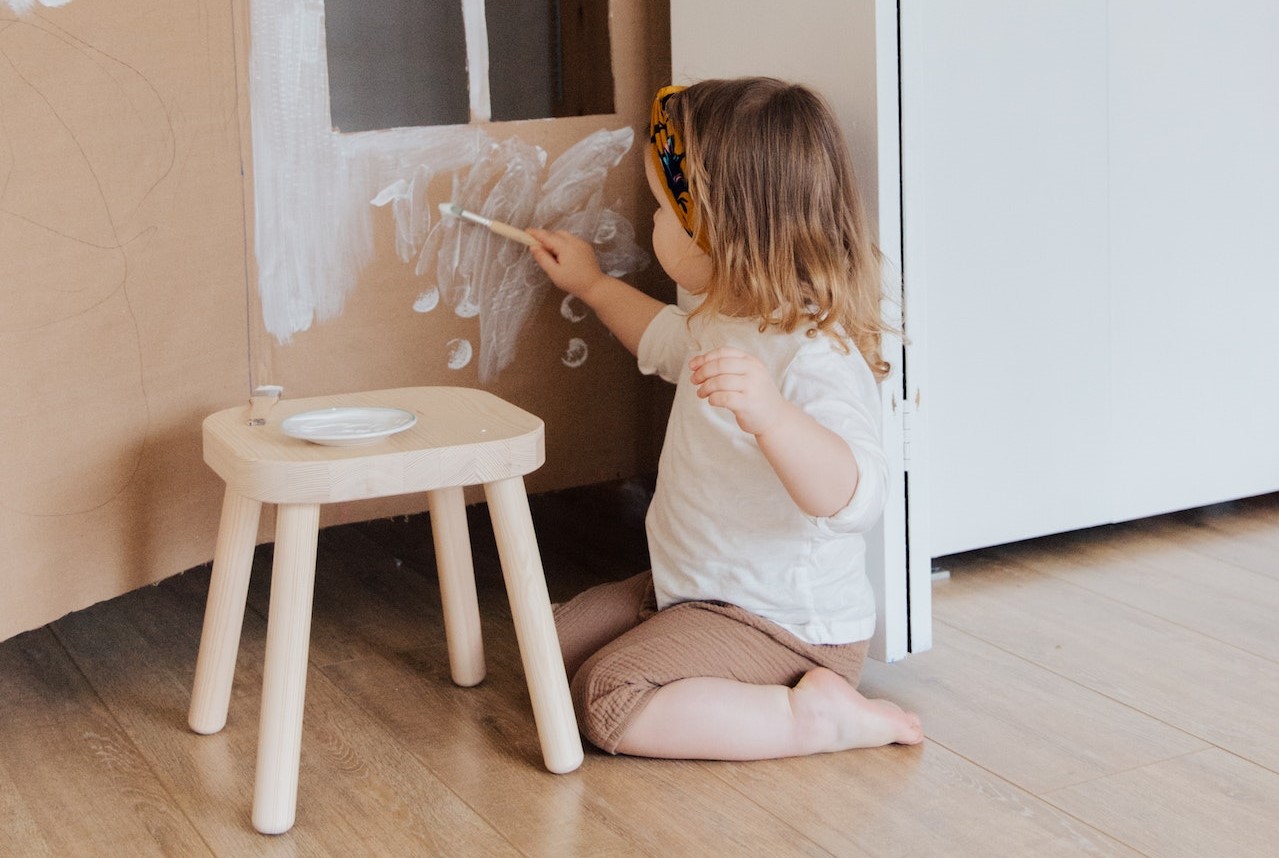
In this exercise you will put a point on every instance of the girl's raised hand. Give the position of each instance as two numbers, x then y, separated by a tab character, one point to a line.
732	379
568	260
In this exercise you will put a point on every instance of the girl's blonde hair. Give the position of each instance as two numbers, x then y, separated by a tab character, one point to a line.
775	201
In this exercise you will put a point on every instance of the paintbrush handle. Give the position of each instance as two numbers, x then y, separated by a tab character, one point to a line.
513	233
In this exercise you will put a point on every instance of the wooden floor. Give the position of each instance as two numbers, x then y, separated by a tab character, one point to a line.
1113	692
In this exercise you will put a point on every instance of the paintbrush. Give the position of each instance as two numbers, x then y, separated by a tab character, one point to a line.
503	229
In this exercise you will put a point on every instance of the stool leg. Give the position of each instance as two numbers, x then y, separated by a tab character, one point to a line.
457	585
224	613
534	625
288	634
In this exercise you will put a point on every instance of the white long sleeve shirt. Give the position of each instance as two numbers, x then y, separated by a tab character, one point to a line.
721	525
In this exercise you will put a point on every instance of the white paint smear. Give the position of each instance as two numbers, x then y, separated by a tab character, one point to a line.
22	7
313	188
572	309
511	182
459	353
477	59
576	353
427	301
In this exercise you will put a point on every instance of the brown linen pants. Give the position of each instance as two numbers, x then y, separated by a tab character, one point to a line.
619	650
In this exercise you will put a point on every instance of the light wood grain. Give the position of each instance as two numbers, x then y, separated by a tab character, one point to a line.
1036	728
462	437
78	780
1161	574
359	793
477	739
456	571
534	626
224	613
1208	803
1209	689
288	639
1061	718
924	801
1242	533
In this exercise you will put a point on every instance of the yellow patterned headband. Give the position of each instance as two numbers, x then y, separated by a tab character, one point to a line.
668	158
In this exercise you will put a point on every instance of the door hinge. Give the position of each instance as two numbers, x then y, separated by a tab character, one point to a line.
909	408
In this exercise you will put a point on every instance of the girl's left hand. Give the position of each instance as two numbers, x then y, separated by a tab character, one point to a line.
731	378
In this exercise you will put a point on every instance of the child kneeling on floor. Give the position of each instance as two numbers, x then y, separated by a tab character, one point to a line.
747	639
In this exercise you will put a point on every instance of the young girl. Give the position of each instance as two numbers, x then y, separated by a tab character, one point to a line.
747	638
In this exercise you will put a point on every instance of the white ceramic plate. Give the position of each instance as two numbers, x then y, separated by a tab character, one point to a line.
345	427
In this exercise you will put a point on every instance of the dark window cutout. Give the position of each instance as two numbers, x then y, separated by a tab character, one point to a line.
395	63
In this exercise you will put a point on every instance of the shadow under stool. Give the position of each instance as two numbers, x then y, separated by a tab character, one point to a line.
462	437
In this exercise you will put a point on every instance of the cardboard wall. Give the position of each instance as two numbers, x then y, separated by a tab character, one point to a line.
134	299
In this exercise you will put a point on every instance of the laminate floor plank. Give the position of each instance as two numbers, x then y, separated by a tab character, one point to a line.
919	801
482	741
1075	703
1030	725
1244	533
1206	803
75	783
1213	691
1160	575
357	794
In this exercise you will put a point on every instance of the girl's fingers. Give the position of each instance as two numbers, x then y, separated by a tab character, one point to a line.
718	367
715	354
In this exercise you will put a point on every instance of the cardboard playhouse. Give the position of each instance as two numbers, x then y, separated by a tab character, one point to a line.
197	199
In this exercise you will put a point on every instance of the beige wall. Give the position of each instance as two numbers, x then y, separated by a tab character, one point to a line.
130	304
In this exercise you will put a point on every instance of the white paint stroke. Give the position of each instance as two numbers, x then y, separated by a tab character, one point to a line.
478	271
22	7
312	186
459	353
412	216
572	309
576	353
427	301
477	59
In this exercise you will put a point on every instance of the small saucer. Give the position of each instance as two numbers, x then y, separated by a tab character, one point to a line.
347	426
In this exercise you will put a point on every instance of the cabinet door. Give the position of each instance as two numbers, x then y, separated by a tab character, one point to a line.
848	52
1194	213
1004	199
1090	208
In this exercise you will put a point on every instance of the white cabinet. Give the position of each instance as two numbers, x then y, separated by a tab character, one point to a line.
1091	214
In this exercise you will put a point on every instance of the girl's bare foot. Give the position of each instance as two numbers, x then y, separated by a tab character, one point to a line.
841	718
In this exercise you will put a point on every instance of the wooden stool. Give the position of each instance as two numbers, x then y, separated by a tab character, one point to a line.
462	437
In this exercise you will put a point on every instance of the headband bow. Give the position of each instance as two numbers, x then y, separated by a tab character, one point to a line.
668	157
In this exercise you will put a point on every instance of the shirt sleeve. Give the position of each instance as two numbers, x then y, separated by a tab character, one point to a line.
839	392
665	344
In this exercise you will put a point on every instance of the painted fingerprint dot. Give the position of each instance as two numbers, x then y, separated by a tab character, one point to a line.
466	308
572	309
575	354
427	301
459	352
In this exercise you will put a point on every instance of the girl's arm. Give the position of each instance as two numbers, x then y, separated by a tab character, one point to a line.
571	264
815	465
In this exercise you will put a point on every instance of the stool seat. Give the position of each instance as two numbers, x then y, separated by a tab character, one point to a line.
462	437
